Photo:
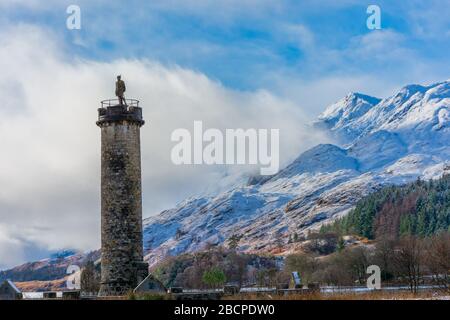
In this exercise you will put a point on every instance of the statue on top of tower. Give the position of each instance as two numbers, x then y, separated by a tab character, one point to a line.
120	90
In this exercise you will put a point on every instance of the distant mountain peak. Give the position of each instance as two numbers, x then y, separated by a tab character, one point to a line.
413	106
413	88
365	97
352	106
63	254
345	111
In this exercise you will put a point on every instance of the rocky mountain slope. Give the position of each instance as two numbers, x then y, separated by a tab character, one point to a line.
380	141
39	275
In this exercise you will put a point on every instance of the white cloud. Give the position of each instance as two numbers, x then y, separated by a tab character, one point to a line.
299	34
50	144
35	5
428	20
11	248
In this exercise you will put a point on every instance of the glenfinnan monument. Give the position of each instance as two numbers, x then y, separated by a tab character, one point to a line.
122	262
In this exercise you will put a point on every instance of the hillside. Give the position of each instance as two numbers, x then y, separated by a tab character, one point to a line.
48	269
419	208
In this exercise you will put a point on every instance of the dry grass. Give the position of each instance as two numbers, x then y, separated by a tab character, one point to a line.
32	286
380	295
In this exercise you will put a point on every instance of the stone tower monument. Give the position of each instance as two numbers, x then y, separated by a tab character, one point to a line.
122	266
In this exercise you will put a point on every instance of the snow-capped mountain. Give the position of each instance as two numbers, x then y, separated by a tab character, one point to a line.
380	141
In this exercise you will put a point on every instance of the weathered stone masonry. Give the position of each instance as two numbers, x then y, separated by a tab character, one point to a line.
121	200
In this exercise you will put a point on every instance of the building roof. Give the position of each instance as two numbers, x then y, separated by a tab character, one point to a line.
149	278
12	286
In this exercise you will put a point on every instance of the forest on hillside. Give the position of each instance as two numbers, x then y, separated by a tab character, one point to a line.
419	208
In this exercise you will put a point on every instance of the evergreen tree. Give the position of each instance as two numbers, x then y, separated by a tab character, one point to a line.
214	277
419	208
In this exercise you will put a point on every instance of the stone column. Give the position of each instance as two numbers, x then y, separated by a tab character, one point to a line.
122	266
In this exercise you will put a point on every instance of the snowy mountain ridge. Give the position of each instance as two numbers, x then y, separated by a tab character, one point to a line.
381	141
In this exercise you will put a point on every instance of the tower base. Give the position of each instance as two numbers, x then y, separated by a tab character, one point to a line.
121	287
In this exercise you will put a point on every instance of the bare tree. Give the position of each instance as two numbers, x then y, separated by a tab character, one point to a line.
238	267
384	257
304	264
408	260
322	243
357	262
438	259
89	280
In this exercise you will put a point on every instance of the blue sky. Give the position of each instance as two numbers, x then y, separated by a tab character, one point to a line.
234	63
251	44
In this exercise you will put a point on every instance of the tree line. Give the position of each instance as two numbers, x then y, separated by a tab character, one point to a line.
420	208
409	260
